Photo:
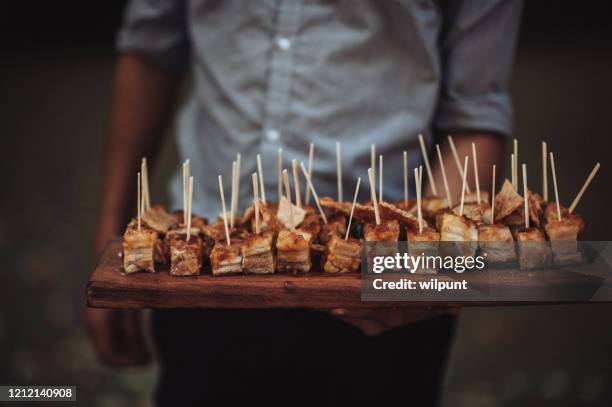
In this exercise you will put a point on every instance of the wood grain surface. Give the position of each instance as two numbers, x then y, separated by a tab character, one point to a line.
109	288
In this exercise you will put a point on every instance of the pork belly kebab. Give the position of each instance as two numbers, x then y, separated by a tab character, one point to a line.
293	245
139	241
258	247
343	255
456	227
534	251
496	239
225	258
423	240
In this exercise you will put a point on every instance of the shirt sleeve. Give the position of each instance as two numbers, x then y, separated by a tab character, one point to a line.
477	51
156	29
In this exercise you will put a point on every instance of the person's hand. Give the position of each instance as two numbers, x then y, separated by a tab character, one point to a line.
376	321
118	336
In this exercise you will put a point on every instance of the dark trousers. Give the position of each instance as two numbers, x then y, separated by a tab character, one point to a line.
295	357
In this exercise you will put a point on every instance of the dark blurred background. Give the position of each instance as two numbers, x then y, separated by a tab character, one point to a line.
55	76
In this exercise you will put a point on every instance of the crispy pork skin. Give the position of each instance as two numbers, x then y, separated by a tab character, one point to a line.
497	242
534	251
185	255
138	250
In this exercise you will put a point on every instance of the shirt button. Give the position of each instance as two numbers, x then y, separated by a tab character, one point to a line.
272	135
283	43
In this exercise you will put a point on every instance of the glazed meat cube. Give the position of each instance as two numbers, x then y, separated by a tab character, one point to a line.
534	251
497	242
185	255
258	254
226	259
138	250
426	243
342	256
293	251
507	201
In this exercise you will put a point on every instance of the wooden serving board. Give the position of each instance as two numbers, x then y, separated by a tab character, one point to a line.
109	288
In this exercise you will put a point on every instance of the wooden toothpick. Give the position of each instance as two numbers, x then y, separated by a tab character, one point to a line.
227	233
310	158
373	195
417	181
145	185
296	184
380	178
138	201
405	180
279	168
544	173
232	196
512	172
474	158
493	197
554	175
434	190
314	193
348	229
584	187
186	171
451	143
261	179
373	159
189	205
256	202
339	170
444	179
465	164
526	196
288	194
515	143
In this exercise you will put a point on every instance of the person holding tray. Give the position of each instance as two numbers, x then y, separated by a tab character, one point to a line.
258	76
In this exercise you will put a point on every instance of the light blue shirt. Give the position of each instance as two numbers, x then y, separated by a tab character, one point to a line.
284	73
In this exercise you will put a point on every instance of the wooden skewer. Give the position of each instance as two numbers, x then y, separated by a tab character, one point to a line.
296	184
261	179
227	233
417	181
451	143
145	184
554	175
373	159
584	187
444	179
512	172
189	205
526	196
434	190
493	197
405	180
380	178
256	203
185	180
373	195
515	142
348	229
288	193
237	196
279	168
465	164
544	173
232	195
314	193
310	158
474	158
138	201
339	171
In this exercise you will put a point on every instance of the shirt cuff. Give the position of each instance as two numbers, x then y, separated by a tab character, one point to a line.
491	112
